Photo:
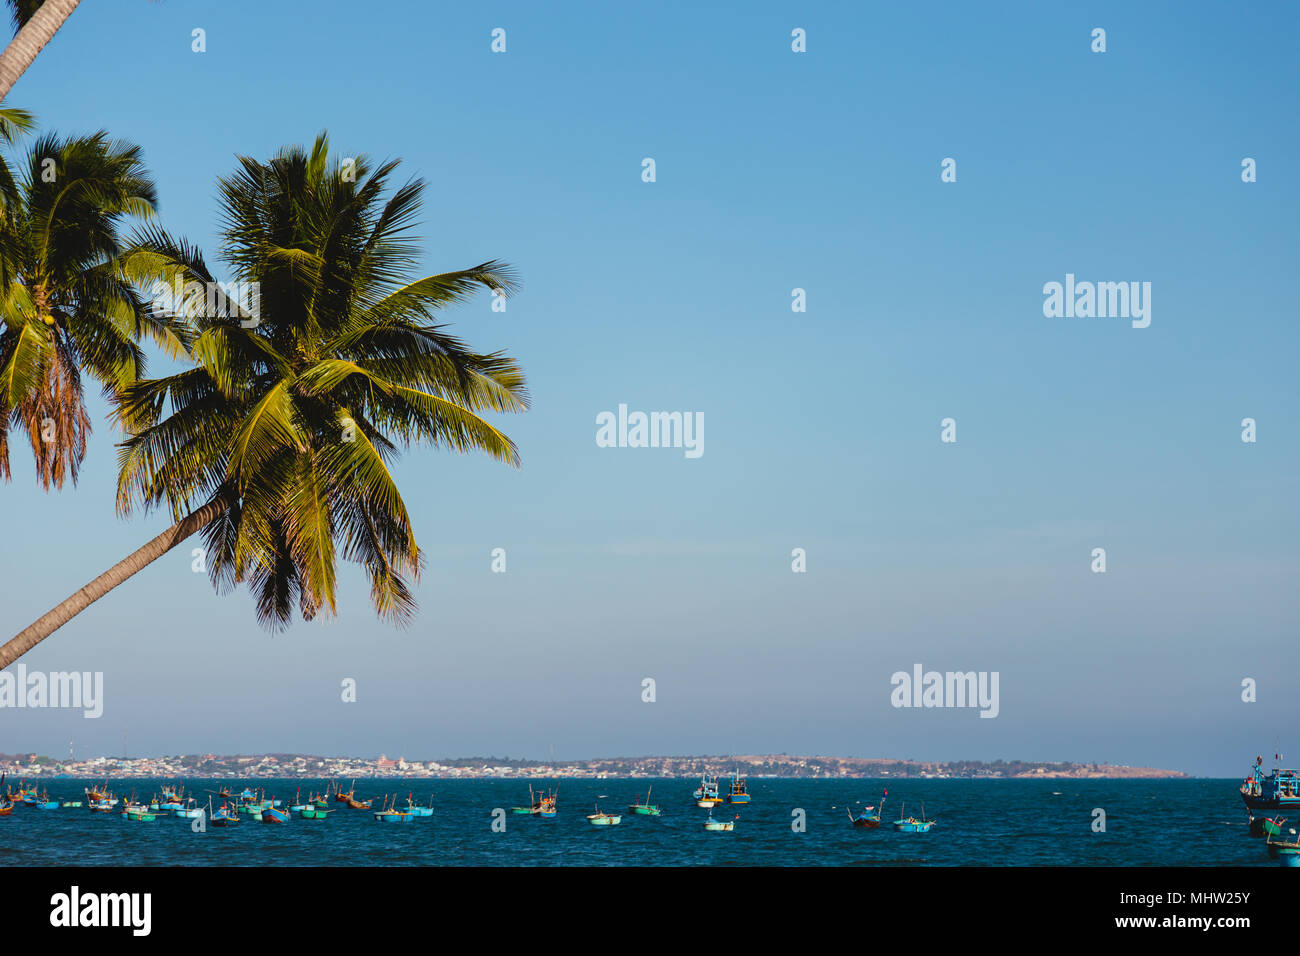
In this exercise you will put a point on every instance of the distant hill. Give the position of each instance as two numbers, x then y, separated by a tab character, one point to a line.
756	765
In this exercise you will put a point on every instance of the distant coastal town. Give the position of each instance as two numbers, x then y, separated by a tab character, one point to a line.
280	766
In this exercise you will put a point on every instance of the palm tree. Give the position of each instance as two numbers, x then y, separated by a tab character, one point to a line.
36	23
283	429
67	302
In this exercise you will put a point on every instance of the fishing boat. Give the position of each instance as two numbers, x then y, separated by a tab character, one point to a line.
297	806
40	800
739	793
350	799
191	811
138	812
416	810
540	804
97	793
390	814
6	805
708	785
599	819
722	825
646	809
225	816
1279	790
321	802
912	824
315	813
706	794
104	804
867	819
274	814
1286	852
1264	826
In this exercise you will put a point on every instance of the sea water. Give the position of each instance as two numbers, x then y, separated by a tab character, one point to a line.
979	823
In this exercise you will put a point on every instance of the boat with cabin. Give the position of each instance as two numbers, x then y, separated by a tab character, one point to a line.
1279	790
739	792
708	784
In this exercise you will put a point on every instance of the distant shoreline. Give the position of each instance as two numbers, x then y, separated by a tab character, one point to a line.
769	766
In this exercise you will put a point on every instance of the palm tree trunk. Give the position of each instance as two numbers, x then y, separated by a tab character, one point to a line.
31	39
54	619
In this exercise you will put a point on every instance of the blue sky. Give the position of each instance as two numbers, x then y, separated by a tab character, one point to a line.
775	171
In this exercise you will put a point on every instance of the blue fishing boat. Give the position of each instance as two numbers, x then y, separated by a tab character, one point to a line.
415	810
1286	852
225	816
274	814
190	811
391	814
739	793
1279	790
912	824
